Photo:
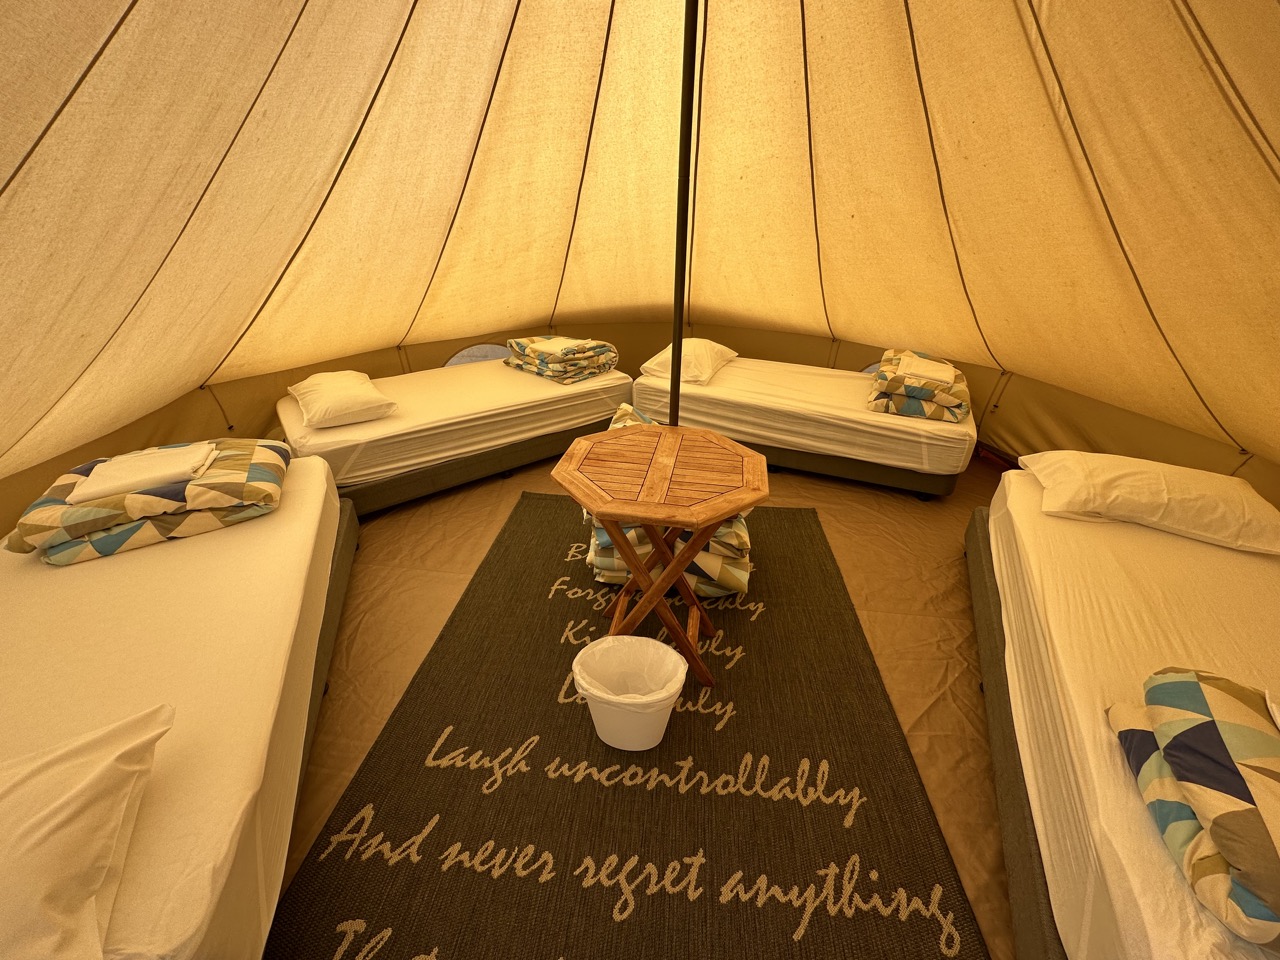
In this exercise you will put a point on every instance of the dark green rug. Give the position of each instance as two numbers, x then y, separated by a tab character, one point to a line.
781	816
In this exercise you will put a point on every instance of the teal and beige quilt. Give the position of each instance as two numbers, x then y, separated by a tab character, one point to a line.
242	482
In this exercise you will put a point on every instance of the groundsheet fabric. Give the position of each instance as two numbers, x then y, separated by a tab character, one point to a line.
781	814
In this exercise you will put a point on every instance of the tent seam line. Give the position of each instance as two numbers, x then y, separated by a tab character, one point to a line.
146	287
942	193
337	175
75	88
586	160
1115	228
466	180
1230	93
813	178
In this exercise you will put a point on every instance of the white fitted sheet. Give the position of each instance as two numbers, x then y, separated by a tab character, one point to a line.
811	409
224	627
450	412
1090	610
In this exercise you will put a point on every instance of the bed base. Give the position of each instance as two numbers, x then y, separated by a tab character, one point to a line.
1035	934
422	481
924	485
344	552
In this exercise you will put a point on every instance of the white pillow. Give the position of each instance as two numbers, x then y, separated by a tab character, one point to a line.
67	814
699	361
338	398
1197	504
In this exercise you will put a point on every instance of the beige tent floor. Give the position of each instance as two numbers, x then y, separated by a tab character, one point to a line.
903	564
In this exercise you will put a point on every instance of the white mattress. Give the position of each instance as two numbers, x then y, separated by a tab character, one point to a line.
811	409
450	412
1090	611
222	626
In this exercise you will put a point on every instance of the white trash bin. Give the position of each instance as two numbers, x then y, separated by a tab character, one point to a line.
630	684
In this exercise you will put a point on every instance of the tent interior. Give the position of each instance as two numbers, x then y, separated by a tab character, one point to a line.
1078	204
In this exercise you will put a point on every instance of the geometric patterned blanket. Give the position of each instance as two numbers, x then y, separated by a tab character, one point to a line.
242	482
907	396
561	359
1206	754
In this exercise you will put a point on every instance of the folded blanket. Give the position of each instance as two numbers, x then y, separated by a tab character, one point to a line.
894	392
143	470
242	482
722	567
562	359
916	367
1206	753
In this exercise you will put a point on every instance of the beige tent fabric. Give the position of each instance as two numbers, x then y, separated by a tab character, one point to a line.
256	198
1195	196
504	256
887	258
1081	196
45	45
91	215
753	250
415	561
360	276
621	254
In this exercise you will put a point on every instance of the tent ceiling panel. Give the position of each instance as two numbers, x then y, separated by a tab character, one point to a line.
245	227
1195	196
753	253
1241	41
45	46
504	255
624	233
94	211
887	259
1039	257
359	276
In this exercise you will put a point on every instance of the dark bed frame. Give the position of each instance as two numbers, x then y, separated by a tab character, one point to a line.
1035	934
344	552
420	482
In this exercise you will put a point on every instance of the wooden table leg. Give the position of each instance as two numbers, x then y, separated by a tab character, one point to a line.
653	598
682	585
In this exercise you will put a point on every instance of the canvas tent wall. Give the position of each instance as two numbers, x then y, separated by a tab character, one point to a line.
202	202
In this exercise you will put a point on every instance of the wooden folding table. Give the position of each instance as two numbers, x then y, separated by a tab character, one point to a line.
664	480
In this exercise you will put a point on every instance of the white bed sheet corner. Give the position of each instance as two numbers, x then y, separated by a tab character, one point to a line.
1089	611
223	626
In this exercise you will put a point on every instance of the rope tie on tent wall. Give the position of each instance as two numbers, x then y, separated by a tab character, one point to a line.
942	193
221	409
582	177
1115	228
466	180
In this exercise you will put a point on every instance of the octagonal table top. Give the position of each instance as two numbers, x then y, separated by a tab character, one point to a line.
650	473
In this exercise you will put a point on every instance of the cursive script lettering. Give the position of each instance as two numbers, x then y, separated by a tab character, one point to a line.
493	861
510	760
846	902
349	929
356	830
599	597
751	780
647	879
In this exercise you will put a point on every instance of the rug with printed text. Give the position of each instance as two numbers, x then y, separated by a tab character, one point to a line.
780	816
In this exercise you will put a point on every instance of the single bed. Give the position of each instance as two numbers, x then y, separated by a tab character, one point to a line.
816	419
1072	617
233	629
454	424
